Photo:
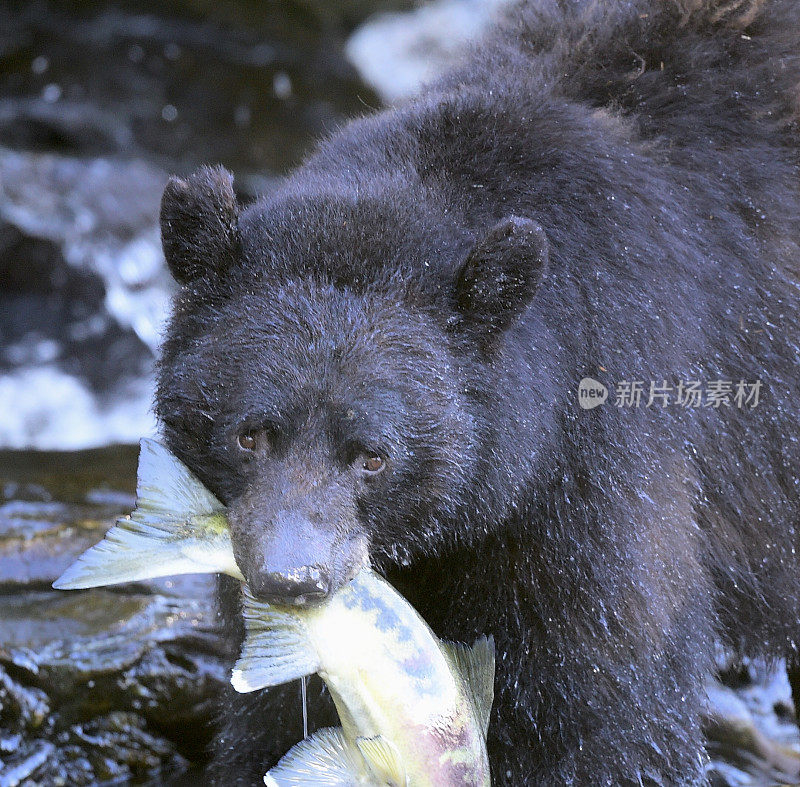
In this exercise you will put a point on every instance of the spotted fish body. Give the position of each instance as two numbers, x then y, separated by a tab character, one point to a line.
413	709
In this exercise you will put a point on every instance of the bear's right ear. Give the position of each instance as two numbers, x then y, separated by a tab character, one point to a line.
199	224
501	276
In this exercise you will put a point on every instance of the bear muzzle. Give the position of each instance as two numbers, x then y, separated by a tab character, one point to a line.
296	559
300	585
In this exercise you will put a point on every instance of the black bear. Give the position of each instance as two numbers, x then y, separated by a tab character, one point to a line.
382	358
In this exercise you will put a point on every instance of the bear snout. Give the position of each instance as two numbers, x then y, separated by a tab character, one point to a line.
294	558
286	559
300	585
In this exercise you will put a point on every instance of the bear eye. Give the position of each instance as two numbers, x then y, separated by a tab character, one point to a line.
248	441
372	463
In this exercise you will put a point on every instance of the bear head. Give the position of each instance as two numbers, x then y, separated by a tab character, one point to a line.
322	366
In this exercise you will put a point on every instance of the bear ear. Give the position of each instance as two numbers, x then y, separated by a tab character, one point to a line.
501	275
199	224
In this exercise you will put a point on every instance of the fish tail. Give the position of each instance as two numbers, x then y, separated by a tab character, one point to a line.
324	759
151	542
276	648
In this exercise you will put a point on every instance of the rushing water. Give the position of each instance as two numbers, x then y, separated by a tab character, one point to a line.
99	102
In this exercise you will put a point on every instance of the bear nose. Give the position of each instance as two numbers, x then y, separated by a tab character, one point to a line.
302	585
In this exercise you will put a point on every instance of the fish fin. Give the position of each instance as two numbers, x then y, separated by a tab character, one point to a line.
276	647
476	667
150	543
325	759
128	555
383	760
166	490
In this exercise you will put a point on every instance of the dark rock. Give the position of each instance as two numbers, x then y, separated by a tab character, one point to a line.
112	684
25	762
54	505
116	748
120	681
71	476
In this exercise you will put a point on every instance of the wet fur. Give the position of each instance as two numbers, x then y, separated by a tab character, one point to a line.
656	146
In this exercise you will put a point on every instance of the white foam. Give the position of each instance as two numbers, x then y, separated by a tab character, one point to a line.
42	407
397	52
138	289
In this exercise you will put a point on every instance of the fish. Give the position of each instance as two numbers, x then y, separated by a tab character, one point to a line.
177	527
414	710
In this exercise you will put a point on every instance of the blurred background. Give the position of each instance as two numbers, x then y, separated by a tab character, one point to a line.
99	103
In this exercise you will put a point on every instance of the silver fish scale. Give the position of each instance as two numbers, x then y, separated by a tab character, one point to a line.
366	594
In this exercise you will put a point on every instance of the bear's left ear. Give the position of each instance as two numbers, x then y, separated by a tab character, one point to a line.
200	224
501	275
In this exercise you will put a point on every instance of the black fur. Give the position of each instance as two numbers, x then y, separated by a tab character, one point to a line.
199	224
656	146
501	274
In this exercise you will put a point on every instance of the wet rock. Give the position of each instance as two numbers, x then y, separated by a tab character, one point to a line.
25	762
116	748
39	540
92	476
24	708
120	681
106	685
53	505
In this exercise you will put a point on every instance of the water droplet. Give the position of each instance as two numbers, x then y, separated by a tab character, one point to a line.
40	64
135	53
51	93
282	85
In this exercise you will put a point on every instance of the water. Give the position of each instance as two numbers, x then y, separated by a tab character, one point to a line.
304	701
97	106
